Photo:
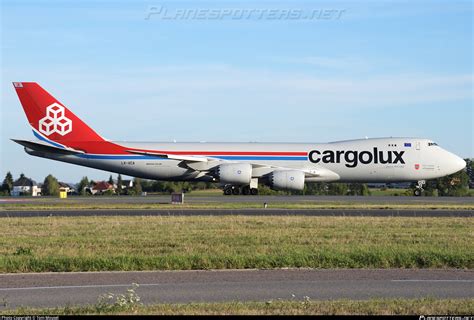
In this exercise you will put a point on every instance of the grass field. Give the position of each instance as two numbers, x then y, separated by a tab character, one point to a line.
390	192
180	243
306	307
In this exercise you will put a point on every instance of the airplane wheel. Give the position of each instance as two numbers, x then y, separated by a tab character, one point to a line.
246	190
254	191
227	191
236	191
417	192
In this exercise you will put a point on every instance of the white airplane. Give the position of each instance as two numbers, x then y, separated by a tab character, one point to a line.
238	167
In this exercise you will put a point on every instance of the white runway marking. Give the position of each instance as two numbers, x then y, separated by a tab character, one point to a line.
419	280
85	286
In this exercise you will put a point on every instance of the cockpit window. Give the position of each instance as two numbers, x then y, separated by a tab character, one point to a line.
432	144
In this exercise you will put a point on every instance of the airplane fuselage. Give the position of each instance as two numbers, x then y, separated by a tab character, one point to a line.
365	160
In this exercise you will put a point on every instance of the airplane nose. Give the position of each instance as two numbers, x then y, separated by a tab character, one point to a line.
457	163
461	163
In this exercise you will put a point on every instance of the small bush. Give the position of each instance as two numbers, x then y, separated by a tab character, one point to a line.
20	251
111	302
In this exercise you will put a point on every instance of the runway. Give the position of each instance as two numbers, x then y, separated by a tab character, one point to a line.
246	212
190	198
60	289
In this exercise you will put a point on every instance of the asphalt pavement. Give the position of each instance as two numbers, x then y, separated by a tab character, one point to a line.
245	212
61	289
190	198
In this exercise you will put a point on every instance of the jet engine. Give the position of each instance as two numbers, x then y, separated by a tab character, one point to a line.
287	180
234	173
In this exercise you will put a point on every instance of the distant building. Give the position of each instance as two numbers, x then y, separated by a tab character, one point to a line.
24	187
100	187
67	187
126	184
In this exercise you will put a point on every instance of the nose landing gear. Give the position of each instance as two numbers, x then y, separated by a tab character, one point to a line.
419	188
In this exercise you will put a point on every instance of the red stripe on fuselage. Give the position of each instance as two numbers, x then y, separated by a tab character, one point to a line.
232	153
107	147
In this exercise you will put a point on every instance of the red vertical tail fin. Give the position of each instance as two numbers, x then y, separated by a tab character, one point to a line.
49	118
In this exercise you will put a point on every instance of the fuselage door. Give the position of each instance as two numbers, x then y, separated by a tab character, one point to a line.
417	157
418	145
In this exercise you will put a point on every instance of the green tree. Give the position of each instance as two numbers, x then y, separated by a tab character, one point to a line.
456	185
137	186
173	186
316	188
147	185
50	186
111	180
265	190
158	186
470	171
7	185
335	189
81	187
358	189
119	184
185	186
364	190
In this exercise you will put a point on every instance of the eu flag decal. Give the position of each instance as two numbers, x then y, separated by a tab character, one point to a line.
407	144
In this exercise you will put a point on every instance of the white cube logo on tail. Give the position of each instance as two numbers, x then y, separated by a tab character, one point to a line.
55	121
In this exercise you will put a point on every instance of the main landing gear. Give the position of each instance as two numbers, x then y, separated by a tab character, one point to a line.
236	190
419	188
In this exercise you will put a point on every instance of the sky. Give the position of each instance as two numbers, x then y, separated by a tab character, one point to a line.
272	71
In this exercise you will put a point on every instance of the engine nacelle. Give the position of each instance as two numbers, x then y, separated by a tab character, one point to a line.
234	173
287	180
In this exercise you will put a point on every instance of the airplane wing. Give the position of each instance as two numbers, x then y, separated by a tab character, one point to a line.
206	164
198	163
171	156
44	147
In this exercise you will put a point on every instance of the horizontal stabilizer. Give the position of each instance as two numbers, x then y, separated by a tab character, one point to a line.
43	147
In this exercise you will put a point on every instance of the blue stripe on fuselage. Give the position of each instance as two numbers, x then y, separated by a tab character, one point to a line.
117	157
46	140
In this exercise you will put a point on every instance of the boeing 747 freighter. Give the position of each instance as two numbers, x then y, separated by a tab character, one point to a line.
238	167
